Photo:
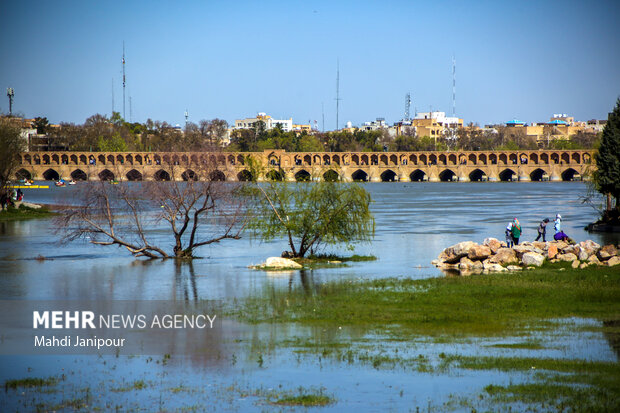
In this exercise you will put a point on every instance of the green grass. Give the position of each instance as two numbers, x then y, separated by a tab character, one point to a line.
30	382
303	398
136	385
480	305
24	212
526	345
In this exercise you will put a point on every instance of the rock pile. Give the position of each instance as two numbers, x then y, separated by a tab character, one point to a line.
493	255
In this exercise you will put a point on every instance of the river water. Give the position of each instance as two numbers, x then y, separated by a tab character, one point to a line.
414	222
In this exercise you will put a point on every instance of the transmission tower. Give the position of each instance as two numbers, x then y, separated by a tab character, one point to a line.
337	93
124	80
10	93
453	86
407	105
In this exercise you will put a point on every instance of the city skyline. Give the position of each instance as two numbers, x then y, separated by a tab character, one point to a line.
525	61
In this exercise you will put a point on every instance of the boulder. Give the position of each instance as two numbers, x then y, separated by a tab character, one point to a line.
613	261
583	255
567	257
504	256
575	264
593	260
589	245
513	268
493	243
561	245
572	249
533	258
279	262
607	252
479	252
540	245
465	263
477	265
491	267
584	265
462	248
552	251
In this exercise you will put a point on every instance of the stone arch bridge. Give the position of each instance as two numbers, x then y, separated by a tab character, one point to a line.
537	165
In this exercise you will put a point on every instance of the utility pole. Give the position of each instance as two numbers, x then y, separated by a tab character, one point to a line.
10	93
123	79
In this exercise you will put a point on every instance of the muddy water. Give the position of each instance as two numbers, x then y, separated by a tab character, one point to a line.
414	222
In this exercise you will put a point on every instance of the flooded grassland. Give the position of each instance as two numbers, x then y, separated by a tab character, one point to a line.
392	334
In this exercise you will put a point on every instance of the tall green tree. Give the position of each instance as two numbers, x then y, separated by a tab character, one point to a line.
11	144
311	215
607	178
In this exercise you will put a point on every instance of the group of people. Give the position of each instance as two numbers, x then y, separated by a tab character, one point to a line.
9	199
513	231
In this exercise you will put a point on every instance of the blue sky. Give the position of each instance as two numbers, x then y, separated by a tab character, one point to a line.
232	59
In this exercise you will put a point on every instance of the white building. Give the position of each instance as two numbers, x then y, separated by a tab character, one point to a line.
270	123
441	119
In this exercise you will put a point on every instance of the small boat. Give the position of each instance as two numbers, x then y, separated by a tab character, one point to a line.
27	183
71	182
60	183
113	182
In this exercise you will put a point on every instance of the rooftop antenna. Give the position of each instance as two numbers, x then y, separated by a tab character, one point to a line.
337	92
123	79
453	86
186	117
407	105
10	93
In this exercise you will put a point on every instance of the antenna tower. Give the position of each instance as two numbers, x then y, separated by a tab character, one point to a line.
112	98
407	105
10	93
337	93
453	86
123	80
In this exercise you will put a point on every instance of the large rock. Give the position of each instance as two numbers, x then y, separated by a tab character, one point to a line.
504	256
552	251
491	267
561	245
583	255
566	257
479	252
572	249
526	247
589	245
533	258
575	264
607	252
613	261
279	262
465	263
462	248
493	243
593	260
540	245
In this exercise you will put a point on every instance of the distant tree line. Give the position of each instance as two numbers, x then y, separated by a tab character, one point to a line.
114	134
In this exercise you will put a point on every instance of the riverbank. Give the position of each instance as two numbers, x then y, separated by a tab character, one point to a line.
506	312
25	211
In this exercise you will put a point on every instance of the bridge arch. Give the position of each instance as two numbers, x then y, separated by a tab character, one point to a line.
275	175
161	175
245	175
565	158
359	175
79	175
447	175
217	175
302	176
331	176
134	175
570	175
188	175
336	159
539	174
388	176
477	175
418	176
575	157
23	174
507	175
106	175
51	175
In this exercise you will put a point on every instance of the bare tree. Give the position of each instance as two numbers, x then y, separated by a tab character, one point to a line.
197	212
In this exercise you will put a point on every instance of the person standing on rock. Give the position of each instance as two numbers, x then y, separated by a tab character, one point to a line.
542	229
557	225
509	240
516	231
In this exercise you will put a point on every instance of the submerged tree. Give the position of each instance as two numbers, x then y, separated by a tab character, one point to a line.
196	212
607	176
310	215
